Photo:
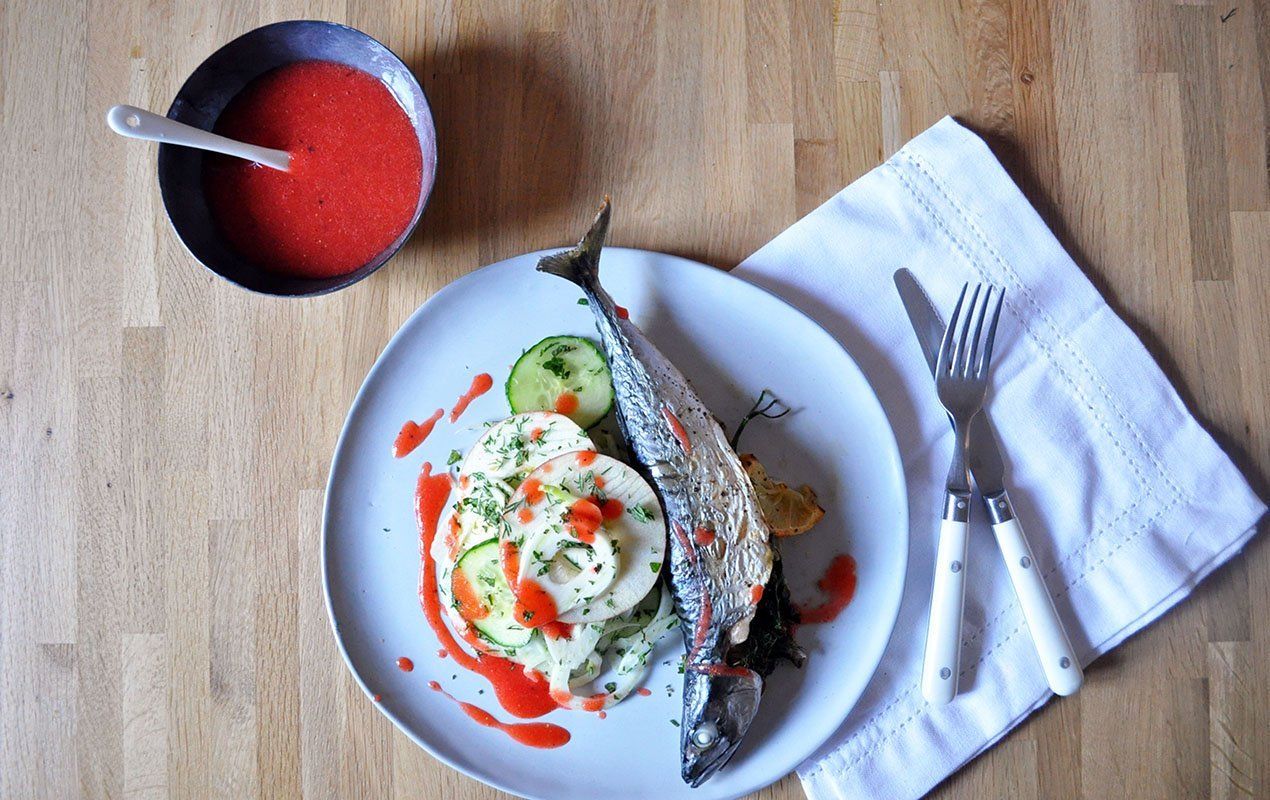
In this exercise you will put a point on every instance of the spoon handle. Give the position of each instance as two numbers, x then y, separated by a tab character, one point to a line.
137	123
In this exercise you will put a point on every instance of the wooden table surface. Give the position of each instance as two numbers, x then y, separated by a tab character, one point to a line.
166	436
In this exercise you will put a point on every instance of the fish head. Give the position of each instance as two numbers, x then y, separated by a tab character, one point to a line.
718	712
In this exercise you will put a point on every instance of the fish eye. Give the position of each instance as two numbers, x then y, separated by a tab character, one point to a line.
705	734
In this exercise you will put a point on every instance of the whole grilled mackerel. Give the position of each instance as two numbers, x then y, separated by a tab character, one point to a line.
720	555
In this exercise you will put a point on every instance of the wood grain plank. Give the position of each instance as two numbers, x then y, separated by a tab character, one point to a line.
1231	719
144	733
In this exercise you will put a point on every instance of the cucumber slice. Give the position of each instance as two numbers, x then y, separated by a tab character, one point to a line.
481	567
566	374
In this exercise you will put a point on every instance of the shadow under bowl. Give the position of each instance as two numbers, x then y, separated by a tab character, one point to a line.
223	75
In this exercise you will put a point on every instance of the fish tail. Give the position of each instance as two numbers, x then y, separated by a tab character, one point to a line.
581	264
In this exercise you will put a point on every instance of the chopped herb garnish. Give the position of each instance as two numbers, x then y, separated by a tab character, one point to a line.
655	566
610	687
640	513
582	301
675	722
455	457
556	366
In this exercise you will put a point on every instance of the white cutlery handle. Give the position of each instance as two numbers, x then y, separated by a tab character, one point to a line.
137	123
943	636
1062	669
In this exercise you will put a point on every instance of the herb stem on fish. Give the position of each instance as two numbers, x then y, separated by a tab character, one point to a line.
775	408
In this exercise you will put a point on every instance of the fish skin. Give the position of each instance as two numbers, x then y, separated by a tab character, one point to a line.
701	487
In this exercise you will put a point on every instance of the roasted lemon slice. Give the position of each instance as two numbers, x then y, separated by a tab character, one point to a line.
788	511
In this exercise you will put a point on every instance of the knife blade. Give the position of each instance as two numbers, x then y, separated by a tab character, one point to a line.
985	454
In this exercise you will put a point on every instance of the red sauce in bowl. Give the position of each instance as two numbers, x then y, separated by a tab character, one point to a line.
356	170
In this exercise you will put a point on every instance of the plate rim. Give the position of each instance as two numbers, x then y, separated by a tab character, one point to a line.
892	452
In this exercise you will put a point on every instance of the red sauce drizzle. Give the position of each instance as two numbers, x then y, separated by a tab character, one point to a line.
682	536
480	385
412	434
839	584
723	669
471	607
566	403
405	665
643	691
543	735
377	698
595	702
704	536
535	434
622	313
603	715
599	481
442	652
520	694
534	607
611	509
584	520
756	594
525	515
531	490
557	630
586	458
703	626
677	428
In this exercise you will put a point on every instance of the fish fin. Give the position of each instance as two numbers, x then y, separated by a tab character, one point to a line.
581	264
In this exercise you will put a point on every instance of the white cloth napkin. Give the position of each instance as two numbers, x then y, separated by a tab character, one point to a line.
1127	501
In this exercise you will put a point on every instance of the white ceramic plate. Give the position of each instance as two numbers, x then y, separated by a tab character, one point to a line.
731	339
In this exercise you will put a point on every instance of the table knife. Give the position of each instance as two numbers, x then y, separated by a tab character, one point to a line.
1058	660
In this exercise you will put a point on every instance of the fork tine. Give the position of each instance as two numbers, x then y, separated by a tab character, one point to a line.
943	362
962	363
986	360
971	360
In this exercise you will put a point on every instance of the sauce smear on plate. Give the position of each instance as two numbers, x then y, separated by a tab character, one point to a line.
480	385
356	170
413	433
839	584
534	734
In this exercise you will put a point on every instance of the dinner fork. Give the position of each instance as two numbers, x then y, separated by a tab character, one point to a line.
961	380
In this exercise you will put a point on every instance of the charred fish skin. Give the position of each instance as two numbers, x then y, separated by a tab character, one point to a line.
720	551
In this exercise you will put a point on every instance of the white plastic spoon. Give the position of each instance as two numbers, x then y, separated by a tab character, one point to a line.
137	123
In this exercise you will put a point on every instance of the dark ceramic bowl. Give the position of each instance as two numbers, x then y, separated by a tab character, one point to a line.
210	88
